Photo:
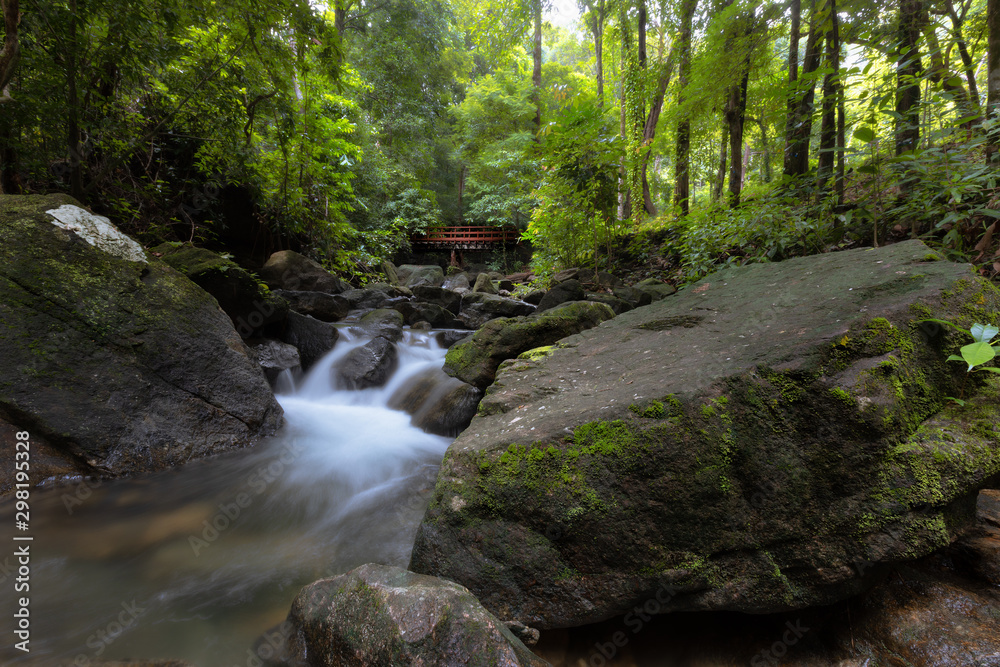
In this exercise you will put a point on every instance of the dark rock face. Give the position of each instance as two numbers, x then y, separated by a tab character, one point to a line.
412	275
433	314
288	270
479	308
439	296
380	616
457	281
439	403
138	349
655	289
312	337
618	305
370	365
634	296
568	290
534	297
744	445
322	306
476	360
376	295
384	323
248	304
484	285
978	552
274	357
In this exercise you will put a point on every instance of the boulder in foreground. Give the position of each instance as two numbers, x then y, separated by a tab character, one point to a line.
381	616
769	438
120	366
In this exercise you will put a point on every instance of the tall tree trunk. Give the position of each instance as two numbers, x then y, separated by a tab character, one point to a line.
536	56
736	111
649	130
11	51
797	142
720	178
793	77
597	19
908	68
766	144
963	51
939	70
993	75
831	93
682	177
73	133
841	144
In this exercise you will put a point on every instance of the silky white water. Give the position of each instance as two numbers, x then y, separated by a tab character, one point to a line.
197	562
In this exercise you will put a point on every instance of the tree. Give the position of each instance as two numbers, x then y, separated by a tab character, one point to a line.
682	176
908	69
993	74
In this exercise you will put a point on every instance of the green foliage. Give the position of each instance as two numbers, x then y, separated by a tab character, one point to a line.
975	354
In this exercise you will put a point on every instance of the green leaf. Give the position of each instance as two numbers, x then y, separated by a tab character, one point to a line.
865	134
960	402
983	333
954	357
944	322
975	354
867	169
991	369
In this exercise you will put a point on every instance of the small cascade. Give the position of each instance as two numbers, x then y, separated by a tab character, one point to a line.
212	554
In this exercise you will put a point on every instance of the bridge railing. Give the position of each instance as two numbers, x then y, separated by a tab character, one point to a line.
468	235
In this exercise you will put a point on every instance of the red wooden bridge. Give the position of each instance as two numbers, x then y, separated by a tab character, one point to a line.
466	238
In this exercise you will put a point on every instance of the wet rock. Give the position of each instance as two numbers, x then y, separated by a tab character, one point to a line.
384	322
430	313
567	290
439	296
440	404
529	636
274	357
478	308
449	337
142	351
412	275
607	280
370	365
381	616
534	297
288	270
312	337
978	552
376	295
521	277
770	438
476	360
389	269
249	305
634	296
457	281
618	305
322	306
484	285
566	274
655	289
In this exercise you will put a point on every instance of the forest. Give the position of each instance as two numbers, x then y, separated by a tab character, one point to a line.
700	132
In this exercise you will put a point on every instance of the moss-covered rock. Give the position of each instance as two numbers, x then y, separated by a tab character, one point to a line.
769	438
382	616
123	366
476	360
288	270
249	303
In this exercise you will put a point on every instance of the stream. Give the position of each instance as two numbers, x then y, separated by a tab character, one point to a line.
195	563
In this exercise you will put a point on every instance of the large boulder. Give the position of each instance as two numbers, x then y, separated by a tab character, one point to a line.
655	289
567	290
412	275
248	303
384	322
418	311
312	337
377	295
117	363
979	550
370	365
382	616
476	360
742	445
439	403
288	270
439	296
322	306
484	284
479	308
274	357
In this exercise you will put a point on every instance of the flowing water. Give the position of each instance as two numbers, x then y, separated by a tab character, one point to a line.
195	563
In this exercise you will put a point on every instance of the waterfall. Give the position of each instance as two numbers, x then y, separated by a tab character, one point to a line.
195	563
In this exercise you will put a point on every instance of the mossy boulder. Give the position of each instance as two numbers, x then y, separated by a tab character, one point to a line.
412	275
567	290
288	270
476	360
383	616
772	437
439	403
249	303
478	308
122	366
484	285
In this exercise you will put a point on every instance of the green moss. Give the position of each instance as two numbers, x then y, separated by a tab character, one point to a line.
842	396
537	353
655	410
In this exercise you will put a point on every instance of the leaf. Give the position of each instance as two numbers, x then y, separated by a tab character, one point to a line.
864	134
983	333
960	402
988	211
991	369
954	357
944	322
867	169
976	354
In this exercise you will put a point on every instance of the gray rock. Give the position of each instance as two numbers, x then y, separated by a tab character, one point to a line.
618	305
413	275
322	306
534	297
274	357
389	269
439	296
370	365
384	322
312	337
484	284
457	281
288	270
770	438
122	367
432	314
634	296
656	289
381	616
449	337
566	274
376	295
567	290
478	308
440	404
